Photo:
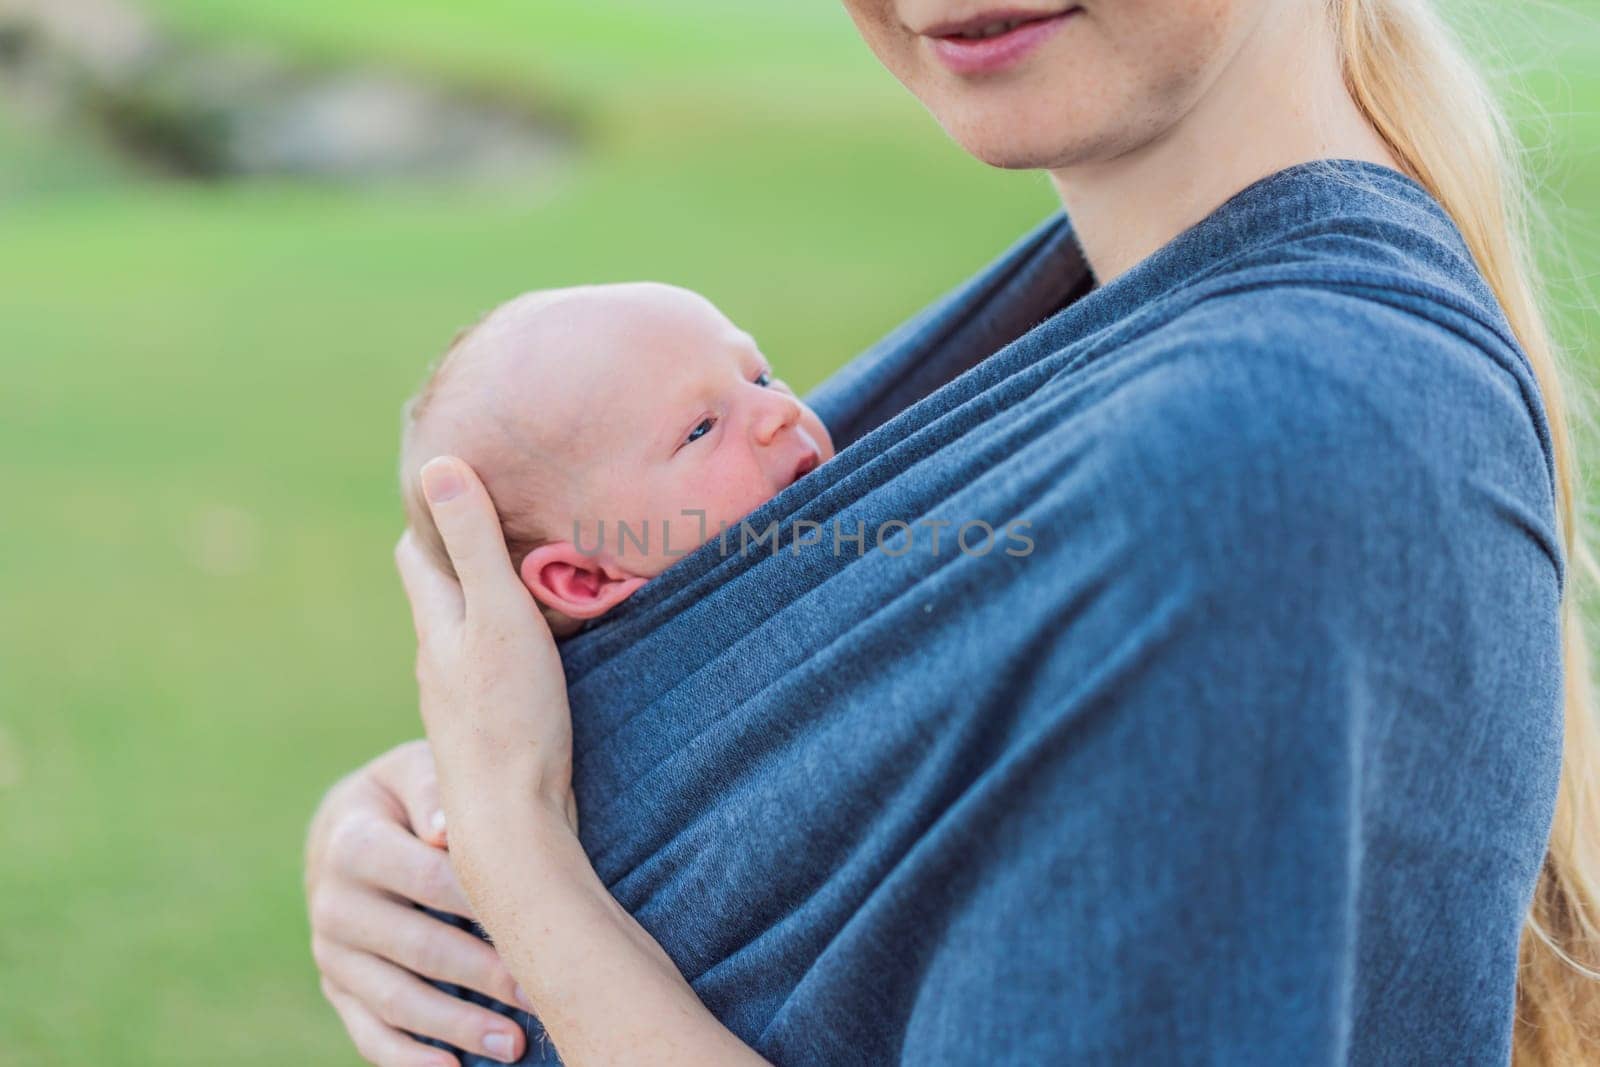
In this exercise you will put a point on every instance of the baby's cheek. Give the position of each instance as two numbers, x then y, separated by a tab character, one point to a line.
733	505
687	532
698	520
735	495
819	433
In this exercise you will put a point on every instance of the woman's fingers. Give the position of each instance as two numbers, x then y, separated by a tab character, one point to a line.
410	776
403	1001
424	946
380	1044
470	527
382	855
435	597
363	870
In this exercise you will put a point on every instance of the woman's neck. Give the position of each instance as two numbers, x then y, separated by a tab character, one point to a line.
1279	102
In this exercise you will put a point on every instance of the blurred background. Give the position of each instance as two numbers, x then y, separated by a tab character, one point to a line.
232	235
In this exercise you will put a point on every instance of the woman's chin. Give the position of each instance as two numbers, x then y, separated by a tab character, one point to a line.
1056	140
999	145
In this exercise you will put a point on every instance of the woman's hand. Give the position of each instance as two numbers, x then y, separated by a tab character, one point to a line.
494	700
493	693
373	848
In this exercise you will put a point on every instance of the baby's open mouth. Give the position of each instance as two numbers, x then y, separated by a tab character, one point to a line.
808	463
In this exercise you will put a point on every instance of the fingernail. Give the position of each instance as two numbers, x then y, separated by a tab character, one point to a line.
440	482
499	1046
437	823
522	998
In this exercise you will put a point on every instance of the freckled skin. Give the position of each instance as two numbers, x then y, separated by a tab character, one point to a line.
1115	77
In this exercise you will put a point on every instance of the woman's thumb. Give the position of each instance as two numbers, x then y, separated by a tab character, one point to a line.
426	814
470	529
414	781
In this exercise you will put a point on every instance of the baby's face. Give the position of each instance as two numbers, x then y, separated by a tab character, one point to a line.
660	409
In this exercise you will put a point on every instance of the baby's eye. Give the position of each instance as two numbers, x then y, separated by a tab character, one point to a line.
701	430
764	379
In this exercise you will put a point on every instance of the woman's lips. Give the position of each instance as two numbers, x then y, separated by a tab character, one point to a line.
993	42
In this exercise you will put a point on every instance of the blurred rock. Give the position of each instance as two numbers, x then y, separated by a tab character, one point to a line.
107	38
369	124
231	111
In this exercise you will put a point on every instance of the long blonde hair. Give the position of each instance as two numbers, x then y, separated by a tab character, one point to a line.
1418	88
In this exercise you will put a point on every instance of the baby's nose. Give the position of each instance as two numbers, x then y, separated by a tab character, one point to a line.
779	411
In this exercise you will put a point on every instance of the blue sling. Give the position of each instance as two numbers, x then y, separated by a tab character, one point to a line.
1235	741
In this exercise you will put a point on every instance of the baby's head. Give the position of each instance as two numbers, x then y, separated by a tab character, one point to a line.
632	403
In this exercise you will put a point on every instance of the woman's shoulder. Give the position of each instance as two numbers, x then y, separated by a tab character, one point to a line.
1336	294
1310	346
1341	224
1300	409
1334	258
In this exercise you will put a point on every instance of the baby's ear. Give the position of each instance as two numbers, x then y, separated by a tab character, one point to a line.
564	579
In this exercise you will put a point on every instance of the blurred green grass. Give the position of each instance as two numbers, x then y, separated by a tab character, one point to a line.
604	51
199	625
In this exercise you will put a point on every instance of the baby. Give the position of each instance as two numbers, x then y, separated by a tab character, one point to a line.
616	427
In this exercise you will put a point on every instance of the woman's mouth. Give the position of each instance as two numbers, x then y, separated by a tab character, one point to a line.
995	41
